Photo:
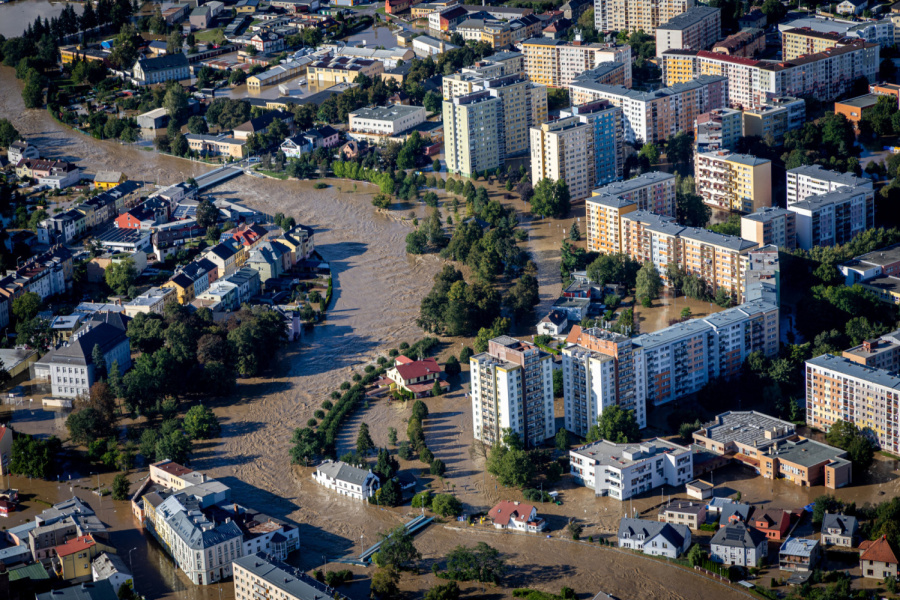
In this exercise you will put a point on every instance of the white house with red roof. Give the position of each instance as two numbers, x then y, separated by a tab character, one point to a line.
518	516
878	559
414	376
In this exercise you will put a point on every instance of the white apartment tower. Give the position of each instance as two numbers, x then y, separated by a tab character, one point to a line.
472	133
512	388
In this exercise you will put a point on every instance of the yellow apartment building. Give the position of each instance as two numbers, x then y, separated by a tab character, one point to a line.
803	40
734	182
564	149
604	213
326	73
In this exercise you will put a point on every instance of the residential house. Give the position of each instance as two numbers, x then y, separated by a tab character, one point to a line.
21	149
268	260
347	480
227	256
73	558
248	283
260	125
416	377
106	180
877	559
554	323
71	367
773	523
516	516
654	538
683	512
731	512
216	145
839	530
151	301
109	567
222	296
738	545
183	286
99	590
800	555
148	71
852	7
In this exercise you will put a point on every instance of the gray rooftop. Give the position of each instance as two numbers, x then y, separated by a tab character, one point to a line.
678	88
284	578
732	508
674	534
766	214
846	524
689	18
683	506
341	471
626	455
394	112
98	590
738	536
619	188
849	368
838	196
107	564
807	453
672	333
881	257
748	427
819	172
798	547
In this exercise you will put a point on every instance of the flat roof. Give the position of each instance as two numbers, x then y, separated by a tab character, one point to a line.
820	173
282	577
747	427
806	453
843	194
395	112
848	368
864	101
626	455
766	213
881	257
689	18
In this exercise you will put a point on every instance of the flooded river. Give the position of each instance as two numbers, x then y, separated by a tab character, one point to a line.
15	16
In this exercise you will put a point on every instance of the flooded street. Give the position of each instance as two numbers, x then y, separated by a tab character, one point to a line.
372	37
15	16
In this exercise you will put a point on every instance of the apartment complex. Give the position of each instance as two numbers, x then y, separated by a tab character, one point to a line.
653	192
681	359
564	149
746	43
377	123
621	471
839	389
556	63
581	89
606	123
718	129
471	133
512	388
698	28
737	182
771	225
599	372
825	75
834	218
775	117
654	116
258	575
801	41
814	180
880	353
522	105
634	15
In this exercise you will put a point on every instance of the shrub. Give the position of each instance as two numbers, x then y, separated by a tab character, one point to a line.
404	451
327	405
356	377
319	414
404	346
533	495
446	505
422	499
369	368
393	352
425	455
312	423
345	385
438	467
321	186
335	395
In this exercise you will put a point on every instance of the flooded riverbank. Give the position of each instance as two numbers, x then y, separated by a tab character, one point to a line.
16	16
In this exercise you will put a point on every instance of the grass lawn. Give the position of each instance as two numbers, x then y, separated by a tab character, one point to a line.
209	35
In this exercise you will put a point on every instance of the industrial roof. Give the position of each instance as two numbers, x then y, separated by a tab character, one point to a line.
625	455
394	112
747	427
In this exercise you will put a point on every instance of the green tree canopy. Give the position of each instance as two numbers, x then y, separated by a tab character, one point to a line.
615	425
201	423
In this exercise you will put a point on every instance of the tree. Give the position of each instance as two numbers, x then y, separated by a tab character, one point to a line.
525	191
207	213
446	505
419	411
551	199
680	148
512	467
120	275
452	366
173	445
26	306
174	43
86	425
176	103
8	133
384	582
650	152
648	283
480	563
696	555
397	549
390	494
197	124
33	457
447	591
305	445
562	439
125	50
121	487
774	11
436	388
557	384
99	362
847	436
364	443
690	209
201	423
615	425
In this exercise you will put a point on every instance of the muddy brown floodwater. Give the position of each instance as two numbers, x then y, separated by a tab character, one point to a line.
377	292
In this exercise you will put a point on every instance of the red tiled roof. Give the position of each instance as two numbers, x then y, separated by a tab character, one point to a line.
879	551
173	468
732	59
402	360
506	510
419	368
75	545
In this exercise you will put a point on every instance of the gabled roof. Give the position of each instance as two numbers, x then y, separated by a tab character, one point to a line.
738	536
845	524
646	530
555	317
419	368
771	519
879	551
341	471
507	511
74	545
